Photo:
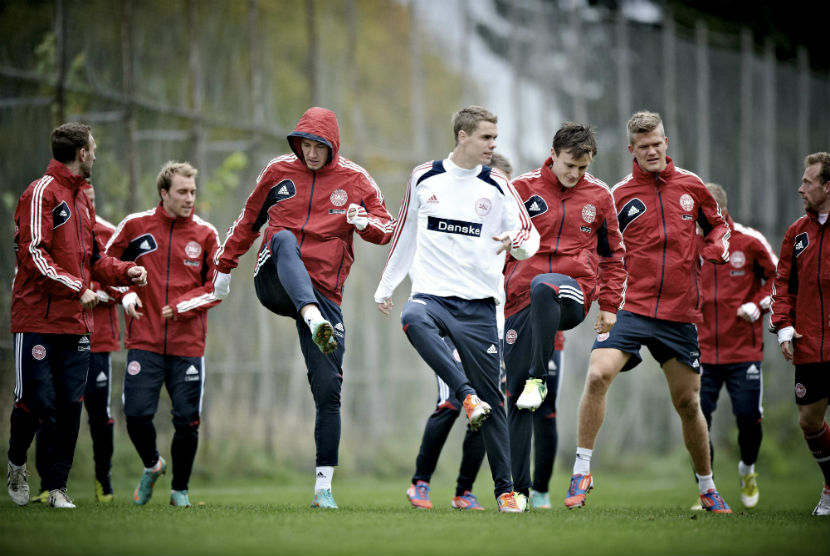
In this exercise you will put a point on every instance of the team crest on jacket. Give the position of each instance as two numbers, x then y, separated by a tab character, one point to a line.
483	206
338	197
39	352
192	249
510	336
134	368
589	213
686	202
737	259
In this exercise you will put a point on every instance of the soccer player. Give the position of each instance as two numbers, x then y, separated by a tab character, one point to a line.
313	202
439	425
58	255
800	312
731	338
167	325
457	220
580	258
658	206
104	340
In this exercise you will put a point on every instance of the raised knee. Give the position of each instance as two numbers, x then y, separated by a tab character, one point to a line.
539	289
282	239
413	313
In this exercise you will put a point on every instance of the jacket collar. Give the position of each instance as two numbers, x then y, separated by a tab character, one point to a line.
553	182
64	176
663	176
162	215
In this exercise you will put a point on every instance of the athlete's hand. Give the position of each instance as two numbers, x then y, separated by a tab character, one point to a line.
749	312
357	216
221	285
139	275
103	297
605	321
385	306
167	312
132	303
505	242
89	299
787	347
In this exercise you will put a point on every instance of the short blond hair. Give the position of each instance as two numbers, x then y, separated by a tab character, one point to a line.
171	168
822	158
467	120
644	122
719	193
500	162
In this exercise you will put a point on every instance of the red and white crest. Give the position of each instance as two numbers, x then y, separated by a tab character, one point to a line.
737	259
39	352
338	197
686	202
134	368
602	337
589	213
456	356
510	336
483	206
800	390
192	249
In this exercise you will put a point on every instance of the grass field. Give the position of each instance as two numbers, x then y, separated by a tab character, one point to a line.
644	512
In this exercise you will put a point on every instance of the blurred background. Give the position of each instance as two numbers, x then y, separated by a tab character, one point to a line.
743	88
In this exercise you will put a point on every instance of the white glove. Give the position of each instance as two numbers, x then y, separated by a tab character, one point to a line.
786	334
221	285
752	310
129	299
360	219
103	297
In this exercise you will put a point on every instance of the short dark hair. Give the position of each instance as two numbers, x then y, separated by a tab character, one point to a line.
579	139
68	139
822	158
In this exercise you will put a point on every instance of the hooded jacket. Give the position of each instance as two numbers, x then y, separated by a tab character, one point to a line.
579	238
801	290
58	255
724	337
657	213
178	255
312	205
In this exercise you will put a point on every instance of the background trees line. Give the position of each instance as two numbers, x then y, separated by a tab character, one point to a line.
221	83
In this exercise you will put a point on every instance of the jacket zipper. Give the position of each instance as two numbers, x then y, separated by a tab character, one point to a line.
308	215
665	242
167	280
83	253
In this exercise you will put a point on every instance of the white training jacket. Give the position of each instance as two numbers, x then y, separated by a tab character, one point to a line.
444	234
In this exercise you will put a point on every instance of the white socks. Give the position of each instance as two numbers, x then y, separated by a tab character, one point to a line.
705	483
312	316
582	463
324	476
744	469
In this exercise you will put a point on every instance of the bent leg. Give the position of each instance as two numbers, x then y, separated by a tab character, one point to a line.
603	367
684	388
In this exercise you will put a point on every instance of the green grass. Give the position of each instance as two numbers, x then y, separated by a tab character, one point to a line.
642	512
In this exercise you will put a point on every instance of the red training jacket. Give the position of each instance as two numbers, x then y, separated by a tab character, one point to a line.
178	255
801	290
312	205
58	255
107	336
657	215
579	237
724	337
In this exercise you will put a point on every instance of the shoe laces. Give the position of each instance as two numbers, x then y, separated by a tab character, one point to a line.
422	489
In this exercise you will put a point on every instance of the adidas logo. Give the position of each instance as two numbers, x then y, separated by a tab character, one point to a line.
283	191
633	210
535	206
799	245
84	340
696	364
492	349
144	244
191	371
321	475
432	199
64	213
339	326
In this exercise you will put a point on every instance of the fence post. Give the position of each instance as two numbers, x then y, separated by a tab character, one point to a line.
704	139
128	79
745	152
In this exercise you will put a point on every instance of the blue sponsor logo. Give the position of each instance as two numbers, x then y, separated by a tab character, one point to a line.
448	226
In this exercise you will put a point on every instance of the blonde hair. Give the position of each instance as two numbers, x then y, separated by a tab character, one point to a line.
719	193
820	158
644	122
467	120
171	168
500	162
